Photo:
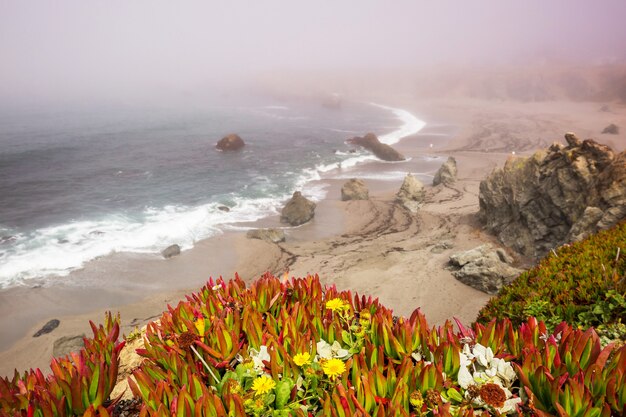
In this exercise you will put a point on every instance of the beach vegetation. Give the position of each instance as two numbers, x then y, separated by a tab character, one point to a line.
282	348
583	284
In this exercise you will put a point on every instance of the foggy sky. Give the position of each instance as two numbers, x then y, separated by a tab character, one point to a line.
111	48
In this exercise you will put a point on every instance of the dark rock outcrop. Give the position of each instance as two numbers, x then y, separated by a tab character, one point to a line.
557	195
170	251
381	150
230	142
446	174
224	209
67	344
411	194
48	327
611	129
298	210
354	189
269	235
484	268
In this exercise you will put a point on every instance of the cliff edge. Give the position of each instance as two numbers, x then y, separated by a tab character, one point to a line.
558	195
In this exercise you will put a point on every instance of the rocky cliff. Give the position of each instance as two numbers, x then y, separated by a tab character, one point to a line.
555	196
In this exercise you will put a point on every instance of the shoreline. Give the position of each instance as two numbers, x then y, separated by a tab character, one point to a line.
369	247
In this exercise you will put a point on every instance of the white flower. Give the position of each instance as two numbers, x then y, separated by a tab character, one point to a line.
483	355
509	405
258	357
326	351
505	372
465	377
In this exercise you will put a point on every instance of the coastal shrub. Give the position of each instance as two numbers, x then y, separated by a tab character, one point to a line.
583	284
79	384
297	348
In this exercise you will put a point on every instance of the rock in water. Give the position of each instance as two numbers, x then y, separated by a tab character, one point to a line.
48	327
381	150
298	210
269	235
557	195
170	251
354	189
611	129
411	194
67	344
446	174
484	268
230	142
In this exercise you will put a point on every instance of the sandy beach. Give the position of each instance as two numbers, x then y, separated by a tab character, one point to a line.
373	247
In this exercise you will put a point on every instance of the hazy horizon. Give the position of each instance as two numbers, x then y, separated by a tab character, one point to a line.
75	50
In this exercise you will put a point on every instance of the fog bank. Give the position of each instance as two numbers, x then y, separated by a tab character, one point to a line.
117	50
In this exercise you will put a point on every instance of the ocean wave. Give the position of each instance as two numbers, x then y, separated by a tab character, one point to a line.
60	249
410	125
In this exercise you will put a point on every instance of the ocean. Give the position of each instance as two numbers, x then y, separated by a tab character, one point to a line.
77	184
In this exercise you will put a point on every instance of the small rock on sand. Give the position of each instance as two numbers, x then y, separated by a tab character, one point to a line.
48	327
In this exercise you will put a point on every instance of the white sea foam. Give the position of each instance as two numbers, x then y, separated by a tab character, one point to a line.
60	249
410	125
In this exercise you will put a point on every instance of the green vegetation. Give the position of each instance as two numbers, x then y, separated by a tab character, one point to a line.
297	348
583	284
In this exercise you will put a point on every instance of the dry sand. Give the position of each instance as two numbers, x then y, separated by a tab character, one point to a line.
372	247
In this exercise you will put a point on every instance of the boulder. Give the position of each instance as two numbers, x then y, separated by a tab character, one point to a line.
441	247
170	251
67	344
555	196
48	327
269	235
484	268
381	150
446	174
230	142
298	210
611	129
411	194
224	209
354	189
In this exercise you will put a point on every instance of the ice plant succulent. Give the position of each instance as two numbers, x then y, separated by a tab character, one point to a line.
274	349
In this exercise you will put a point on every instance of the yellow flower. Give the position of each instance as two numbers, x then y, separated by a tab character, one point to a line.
333	367
336	304
199	323
263	385
302	359
365	318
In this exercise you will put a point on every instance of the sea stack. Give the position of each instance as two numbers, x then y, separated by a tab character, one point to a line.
381	150
230	142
